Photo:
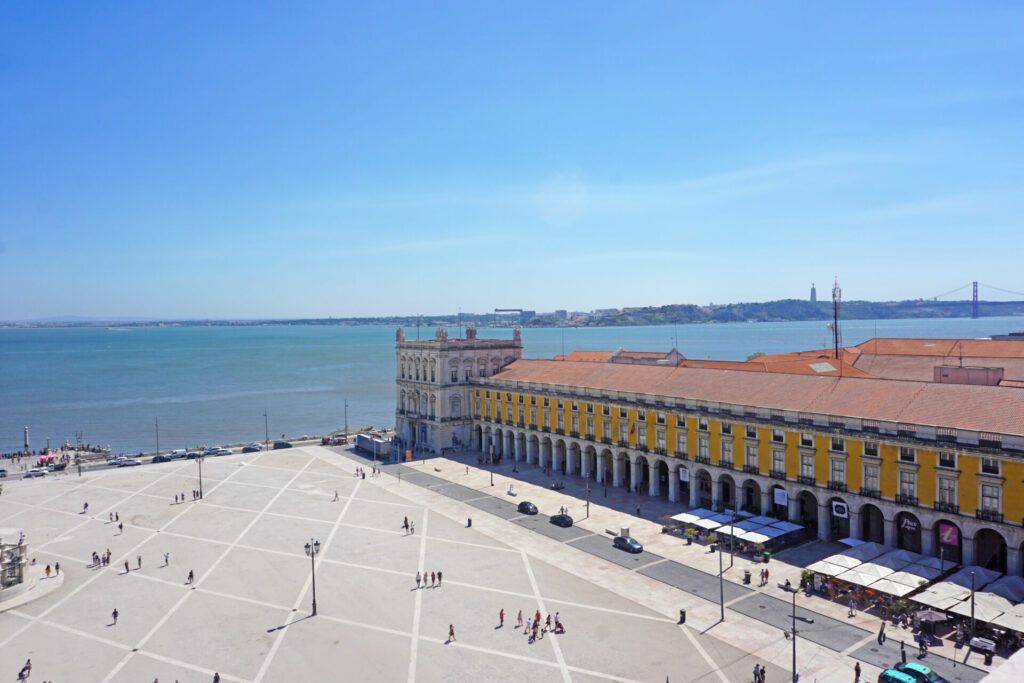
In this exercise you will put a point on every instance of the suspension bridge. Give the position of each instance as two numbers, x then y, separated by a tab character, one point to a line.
973	288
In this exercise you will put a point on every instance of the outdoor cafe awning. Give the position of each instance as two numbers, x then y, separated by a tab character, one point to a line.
1012	619
987	607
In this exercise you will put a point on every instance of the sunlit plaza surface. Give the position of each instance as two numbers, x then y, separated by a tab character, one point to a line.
247	615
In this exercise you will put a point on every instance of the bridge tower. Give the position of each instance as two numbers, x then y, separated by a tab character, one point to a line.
974	301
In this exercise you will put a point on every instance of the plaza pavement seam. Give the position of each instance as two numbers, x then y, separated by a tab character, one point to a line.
170	612
279	638
31	506
417	609
544	610
87	582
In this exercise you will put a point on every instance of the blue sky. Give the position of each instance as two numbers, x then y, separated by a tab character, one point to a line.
241	160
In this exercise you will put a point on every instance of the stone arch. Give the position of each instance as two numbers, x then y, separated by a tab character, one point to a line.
588	467
558	457
621	470
605	466
532	449
574	458
705	488
908	532
499	444
838	526
726	491
990	550
477	438
640	476
949	541
872	523
777	510
807	509
750	496
663	473
488	439
546	449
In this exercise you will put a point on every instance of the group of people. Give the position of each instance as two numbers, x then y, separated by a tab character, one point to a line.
361	473
532	627
180	498
421	579
100	560
764	577
410	527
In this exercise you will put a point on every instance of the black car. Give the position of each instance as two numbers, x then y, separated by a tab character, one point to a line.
278	445
161	458
563	521
252	448
527	508
628	543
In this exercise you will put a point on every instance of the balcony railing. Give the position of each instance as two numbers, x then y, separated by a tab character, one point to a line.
871	493
947	507
606	439
778	474
560	430
989	515
546	428
837	485
806	480
726	464
574	434
623	443
906	499
520	423
702	460
533	425
682	455
751	469
590	436
642	447
660	450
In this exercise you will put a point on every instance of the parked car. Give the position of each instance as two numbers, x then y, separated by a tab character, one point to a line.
36	472
527	508
192	455
278	445
894	676
177	453
3	472
628	543
920	673
220	451
253	448
161	458
563	521
129	462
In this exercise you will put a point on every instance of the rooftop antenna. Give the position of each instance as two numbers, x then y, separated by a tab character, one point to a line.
675	337
460	322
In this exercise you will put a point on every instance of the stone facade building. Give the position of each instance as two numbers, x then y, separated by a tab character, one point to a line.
432	378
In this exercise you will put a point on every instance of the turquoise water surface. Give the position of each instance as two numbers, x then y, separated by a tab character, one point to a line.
212	384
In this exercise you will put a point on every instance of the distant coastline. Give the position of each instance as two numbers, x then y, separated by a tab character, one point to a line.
784	310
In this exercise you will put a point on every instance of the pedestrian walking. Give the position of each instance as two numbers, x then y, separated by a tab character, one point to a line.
115	614
126	569
175	498
216	677
405	524
110	517
501	618
851	612
766	575
167	559
451	633
438	579
417	579
412	527
139	558
529	623
757	673
56	568
547	623
903	653
519	619
48	570
921	647
856	673
536	617
433	577
191	577
120	528
117	518
336	497
637	510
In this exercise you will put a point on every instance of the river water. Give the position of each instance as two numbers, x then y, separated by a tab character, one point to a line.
212	384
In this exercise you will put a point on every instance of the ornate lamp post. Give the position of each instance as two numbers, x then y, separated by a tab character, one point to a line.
312	550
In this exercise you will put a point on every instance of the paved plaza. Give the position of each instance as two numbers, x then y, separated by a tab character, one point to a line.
247	614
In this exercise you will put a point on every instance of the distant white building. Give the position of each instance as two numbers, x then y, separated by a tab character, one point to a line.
432	381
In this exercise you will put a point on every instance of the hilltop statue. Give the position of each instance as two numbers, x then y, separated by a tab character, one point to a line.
441	333
517	334
470	332
399	335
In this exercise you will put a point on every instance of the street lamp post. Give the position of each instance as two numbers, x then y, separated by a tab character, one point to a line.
266	431
312	550
796	676
157	423
199	459
972	604
492	464
588	500
721	582
732	537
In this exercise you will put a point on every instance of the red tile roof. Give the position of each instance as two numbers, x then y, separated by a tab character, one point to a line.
980	408
983	348
587	356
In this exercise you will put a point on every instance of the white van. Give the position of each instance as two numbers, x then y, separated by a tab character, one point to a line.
177	453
